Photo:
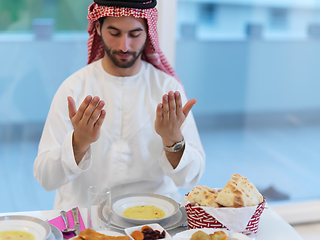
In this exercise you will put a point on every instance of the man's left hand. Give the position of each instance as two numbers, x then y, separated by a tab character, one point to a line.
170	115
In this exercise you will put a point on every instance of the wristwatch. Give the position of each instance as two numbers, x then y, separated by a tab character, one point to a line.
176	147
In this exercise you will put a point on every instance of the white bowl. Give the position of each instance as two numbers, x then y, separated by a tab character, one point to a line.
166	204
37	227
154	226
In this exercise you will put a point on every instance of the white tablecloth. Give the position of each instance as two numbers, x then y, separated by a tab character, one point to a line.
271	227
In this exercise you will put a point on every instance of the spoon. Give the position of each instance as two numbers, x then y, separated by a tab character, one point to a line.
65	219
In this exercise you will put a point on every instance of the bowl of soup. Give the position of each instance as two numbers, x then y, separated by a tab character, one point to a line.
19	227
143	208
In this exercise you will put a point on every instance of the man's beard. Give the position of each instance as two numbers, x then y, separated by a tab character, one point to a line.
120	63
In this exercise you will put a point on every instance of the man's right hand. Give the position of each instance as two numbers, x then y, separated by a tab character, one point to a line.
86	122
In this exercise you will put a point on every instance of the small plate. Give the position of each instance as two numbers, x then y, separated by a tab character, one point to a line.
154	226
37	227
166	204
186	235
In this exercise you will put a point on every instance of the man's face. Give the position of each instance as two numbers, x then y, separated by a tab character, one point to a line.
123	39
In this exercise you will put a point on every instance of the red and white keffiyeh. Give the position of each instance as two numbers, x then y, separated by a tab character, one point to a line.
151	52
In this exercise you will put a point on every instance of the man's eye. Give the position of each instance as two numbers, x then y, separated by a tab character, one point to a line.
134	35
115	34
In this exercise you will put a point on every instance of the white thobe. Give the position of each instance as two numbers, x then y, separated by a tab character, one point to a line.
128	157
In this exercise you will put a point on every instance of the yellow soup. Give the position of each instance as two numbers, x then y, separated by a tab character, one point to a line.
143	212
15	235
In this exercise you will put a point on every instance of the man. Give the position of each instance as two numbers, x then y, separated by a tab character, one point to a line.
114	131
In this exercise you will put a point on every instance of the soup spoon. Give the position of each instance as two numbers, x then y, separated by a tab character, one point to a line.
67	230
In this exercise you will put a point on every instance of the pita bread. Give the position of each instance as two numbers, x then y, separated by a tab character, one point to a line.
239	192
89	234
203	196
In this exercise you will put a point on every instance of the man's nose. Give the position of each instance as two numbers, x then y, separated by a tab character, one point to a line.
124	43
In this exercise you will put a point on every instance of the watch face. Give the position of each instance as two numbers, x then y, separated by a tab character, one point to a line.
177	147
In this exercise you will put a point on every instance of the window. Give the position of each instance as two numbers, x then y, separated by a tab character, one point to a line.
19	15
256	80
42	42
258	109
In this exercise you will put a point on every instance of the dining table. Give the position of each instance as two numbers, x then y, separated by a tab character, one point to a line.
271	225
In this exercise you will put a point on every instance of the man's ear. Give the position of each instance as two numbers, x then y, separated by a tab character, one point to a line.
97	25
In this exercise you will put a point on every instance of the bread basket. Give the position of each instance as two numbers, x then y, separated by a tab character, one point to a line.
198	217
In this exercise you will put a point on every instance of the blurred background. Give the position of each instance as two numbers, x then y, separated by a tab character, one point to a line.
253	65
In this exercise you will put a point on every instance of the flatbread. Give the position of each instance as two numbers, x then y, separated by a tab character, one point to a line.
239	192
89	234
203	196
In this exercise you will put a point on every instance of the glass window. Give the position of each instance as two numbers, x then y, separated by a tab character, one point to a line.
252	67
20	15
42	42
256	77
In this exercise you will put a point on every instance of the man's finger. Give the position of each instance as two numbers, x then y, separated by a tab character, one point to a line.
178	104
186	109
89	110
72	107
159	112
96	113
100	120
172	105
83	107
165	107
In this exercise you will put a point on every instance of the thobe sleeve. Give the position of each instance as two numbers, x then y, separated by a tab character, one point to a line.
55	164
192	164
